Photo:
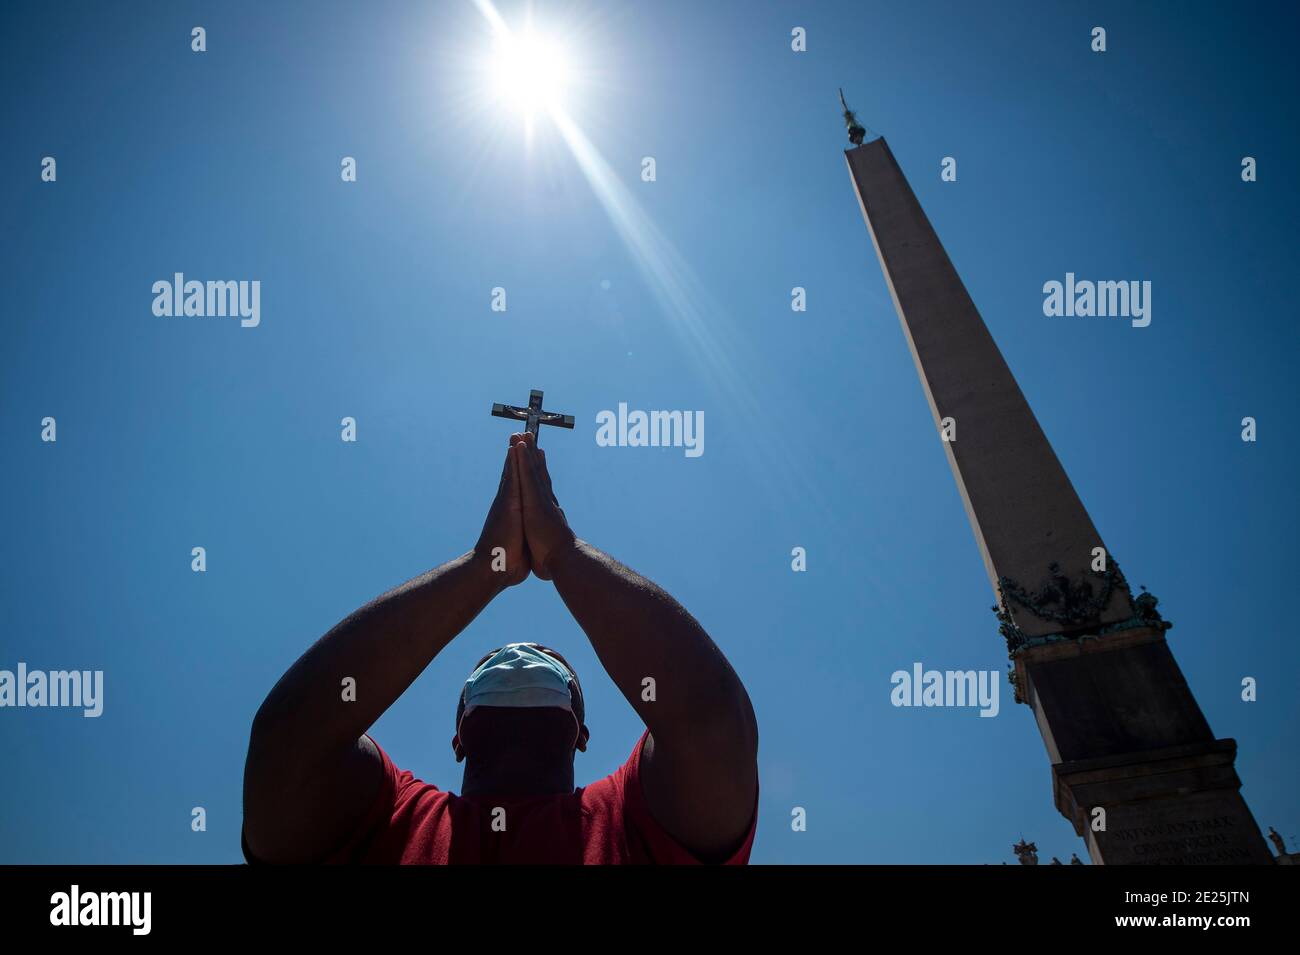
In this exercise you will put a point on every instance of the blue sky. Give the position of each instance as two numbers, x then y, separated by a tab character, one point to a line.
175	433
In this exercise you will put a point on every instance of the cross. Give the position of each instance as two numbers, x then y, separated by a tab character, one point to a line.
533	414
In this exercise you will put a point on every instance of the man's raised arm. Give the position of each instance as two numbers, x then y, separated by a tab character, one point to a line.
700	764
310	773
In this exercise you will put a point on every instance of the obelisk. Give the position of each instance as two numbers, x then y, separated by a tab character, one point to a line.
1135	766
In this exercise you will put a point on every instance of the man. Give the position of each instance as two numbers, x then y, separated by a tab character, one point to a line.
318	789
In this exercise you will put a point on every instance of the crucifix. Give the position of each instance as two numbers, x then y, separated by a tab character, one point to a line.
533	414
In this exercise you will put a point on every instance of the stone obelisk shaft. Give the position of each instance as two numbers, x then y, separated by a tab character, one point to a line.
1022	506
1128	743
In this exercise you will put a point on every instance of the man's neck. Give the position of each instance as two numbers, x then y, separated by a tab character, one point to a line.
516	777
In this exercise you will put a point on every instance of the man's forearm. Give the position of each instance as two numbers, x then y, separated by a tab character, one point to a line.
638	630
383	647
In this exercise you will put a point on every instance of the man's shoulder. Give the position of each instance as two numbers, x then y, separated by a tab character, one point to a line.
409	788
602	791
611	791
403	789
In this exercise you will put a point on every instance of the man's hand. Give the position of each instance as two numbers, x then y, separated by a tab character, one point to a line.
546	529
504	527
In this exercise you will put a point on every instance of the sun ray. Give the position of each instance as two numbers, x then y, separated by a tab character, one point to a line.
708	335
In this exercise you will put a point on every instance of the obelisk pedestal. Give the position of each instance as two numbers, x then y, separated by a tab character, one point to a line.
1126	737
1124	734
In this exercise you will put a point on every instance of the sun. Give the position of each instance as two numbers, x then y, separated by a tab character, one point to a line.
530	71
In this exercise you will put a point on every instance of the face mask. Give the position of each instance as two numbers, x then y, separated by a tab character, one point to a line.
519	675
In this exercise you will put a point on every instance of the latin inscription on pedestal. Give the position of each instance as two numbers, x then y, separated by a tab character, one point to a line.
1209	828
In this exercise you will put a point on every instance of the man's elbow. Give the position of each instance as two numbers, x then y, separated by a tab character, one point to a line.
261	737
272	763
729	726
272	735
258	761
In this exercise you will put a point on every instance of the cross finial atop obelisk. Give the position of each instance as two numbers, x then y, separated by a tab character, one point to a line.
856	131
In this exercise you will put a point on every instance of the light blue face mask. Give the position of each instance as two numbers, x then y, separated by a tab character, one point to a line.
519	674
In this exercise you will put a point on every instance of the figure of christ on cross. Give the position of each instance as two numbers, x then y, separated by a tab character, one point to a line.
318	788
533	415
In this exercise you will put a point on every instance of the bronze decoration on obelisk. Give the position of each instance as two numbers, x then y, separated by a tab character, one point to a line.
856	132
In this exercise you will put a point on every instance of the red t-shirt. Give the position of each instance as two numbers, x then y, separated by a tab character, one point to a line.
608	822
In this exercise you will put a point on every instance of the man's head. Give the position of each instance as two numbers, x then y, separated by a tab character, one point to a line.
521	706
